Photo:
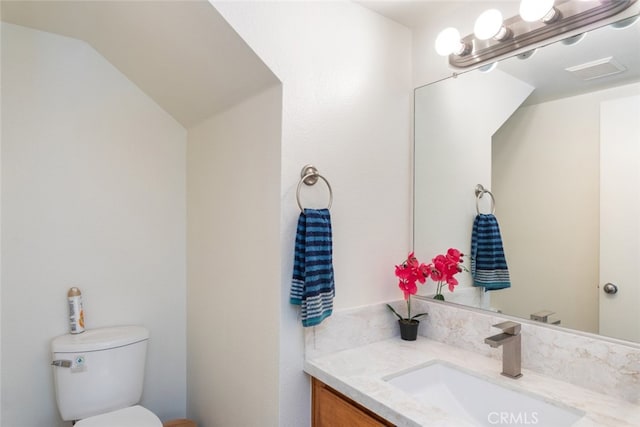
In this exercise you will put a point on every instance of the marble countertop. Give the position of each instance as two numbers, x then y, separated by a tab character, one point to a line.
359	374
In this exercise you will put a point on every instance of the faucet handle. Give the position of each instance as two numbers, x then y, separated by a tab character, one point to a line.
509	327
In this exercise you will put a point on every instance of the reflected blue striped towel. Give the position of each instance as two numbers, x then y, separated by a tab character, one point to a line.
312	286
488	263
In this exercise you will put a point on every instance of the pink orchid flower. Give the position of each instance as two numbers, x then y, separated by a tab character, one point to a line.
454	255
442	270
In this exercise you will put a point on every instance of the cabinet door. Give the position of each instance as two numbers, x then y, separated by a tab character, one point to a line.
332	409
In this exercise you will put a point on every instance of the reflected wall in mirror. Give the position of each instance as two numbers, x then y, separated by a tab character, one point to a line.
556	138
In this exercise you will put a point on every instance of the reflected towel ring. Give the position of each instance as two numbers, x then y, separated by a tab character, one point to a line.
481	191
309	176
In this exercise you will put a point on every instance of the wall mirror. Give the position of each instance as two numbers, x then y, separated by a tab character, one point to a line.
555	135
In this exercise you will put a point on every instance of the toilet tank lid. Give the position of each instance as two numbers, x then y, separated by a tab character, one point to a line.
99	339
135	416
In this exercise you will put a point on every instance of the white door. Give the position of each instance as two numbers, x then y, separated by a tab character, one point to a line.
620	218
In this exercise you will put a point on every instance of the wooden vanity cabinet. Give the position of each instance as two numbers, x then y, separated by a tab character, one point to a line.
333	409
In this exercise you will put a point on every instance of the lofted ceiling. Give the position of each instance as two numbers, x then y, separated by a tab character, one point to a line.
188	59
181	53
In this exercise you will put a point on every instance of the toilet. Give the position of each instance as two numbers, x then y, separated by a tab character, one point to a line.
99	376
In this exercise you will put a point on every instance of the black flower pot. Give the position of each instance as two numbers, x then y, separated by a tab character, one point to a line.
408	329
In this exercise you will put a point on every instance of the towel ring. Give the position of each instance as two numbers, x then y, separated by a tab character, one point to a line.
481	191
309	176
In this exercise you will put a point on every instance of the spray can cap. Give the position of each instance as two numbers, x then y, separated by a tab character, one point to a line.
74	292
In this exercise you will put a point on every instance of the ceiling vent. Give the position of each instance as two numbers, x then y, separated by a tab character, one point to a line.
596	69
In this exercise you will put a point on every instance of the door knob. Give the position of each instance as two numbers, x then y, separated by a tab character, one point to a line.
610	289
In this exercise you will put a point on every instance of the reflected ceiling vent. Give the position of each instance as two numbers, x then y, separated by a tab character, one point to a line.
596	69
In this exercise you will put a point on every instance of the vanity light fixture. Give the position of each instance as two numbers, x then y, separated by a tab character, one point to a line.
539	20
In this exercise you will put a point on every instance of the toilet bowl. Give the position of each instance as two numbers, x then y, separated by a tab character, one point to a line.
99	377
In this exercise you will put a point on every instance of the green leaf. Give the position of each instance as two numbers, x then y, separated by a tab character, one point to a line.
394	312
419	315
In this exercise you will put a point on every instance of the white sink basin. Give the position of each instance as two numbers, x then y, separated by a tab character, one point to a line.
480	401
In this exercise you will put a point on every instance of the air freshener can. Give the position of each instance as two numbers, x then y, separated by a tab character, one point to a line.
76	312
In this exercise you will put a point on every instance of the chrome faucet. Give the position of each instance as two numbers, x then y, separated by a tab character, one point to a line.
510	340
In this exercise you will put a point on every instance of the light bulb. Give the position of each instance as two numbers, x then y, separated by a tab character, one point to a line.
488	24
448	41
535	10
573	40
625	23
488	68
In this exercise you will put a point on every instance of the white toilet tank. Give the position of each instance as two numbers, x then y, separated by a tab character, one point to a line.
99	370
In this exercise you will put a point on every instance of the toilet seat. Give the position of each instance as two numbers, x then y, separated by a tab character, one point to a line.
134	416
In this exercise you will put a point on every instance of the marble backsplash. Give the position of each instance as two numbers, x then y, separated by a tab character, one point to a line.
601	365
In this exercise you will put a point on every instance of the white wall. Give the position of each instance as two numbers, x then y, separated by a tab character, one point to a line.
554	224
93	195
233	264
1	120
346	75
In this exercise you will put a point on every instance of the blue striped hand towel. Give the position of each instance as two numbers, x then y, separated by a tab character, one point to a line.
312	286
488	263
